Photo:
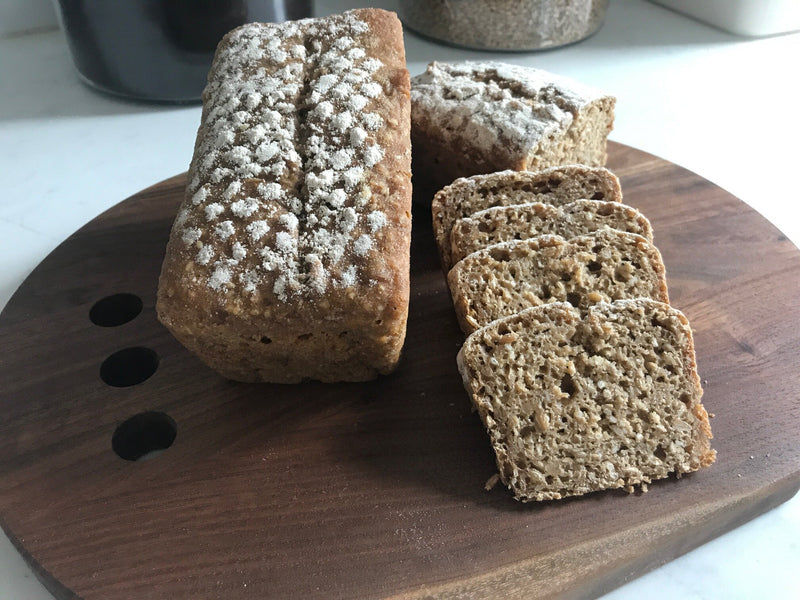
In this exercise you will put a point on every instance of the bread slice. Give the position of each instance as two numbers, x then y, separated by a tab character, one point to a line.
524	221
577	402
510	276
557	185
480	117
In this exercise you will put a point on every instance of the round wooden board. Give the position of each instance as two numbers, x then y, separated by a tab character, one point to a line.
369	490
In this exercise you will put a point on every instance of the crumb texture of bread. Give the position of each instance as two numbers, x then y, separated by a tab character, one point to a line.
508	277
554	185
579	402
524	221
481	117
289	257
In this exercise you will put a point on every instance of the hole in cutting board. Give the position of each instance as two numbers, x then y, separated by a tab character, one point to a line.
129	366
144	436
115	310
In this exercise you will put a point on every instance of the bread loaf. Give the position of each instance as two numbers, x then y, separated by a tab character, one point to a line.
289	257
557	185
510	276
575	403
481	117
524	221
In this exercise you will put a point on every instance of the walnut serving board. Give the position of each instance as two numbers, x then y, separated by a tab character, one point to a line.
371	490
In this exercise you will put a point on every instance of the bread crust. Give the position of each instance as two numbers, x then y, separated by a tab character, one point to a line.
296	304
482	117
554	185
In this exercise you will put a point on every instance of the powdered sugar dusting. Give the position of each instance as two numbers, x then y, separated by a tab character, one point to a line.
278	195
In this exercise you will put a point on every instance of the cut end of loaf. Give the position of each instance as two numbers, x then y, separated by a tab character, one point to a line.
579	403
481	117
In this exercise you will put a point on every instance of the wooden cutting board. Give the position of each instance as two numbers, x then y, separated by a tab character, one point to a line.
368	490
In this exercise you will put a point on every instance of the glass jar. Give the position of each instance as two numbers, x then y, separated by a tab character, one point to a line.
158	49
504	24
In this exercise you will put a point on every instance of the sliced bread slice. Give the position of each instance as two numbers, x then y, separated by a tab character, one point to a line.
510	276
524	221
556	185
577	402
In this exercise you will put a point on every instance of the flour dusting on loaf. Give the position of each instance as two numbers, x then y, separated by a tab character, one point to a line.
296	218
480	117
252	184
490	101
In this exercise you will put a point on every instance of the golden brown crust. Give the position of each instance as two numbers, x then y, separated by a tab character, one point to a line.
342	315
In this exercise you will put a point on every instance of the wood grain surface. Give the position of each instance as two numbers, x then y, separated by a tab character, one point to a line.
364	490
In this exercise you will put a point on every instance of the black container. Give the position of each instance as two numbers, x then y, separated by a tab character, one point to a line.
158	49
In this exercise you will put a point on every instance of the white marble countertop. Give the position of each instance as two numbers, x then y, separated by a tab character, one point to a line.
720	105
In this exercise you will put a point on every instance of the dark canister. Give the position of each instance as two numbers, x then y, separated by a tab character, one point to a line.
158	49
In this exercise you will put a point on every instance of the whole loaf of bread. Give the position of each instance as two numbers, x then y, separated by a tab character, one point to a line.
289	257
